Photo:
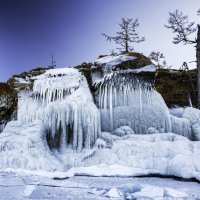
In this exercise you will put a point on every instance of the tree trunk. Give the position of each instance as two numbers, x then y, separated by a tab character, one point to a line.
126	46
126	41
198	65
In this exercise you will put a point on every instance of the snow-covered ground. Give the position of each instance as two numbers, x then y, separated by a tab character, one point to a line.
15	186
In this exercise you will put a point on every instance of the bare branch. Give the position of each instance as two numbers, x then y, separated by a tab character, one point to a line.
181	26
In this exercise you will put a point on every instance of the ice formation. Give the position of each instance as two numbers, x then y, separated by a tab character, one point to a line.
62	100
126	98
24	146
59	126
166	154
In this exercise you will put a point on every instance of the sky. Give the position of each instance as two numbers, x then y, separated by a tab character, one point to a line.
31	30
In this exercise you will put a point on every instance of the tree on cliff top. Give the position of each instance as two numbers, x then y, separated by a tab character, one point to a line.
182	27
157	56
126	35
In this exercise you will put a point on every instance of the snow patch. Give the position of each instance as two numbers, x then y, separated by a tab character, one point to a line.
109	61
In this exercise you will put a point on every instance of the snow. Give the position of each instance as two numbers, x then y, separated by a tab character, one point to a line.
148	68
110	61
21	80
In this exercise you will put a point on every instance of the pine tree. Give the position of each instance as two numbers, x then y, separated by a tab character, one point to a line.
126	35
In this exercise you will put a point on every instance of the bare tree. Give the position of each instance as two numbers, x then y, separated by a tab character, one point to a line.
182	27
127	35
157	57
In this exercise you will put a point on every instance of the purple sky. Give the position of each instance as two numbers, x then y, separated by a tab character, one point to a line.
30	30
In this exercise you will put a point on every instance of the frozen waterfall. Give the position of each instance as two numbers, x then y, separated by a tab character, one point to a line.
126	98
62	100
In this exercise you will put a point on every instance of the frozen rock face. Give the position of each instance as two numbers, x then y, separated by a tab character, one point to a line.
127	98
62	100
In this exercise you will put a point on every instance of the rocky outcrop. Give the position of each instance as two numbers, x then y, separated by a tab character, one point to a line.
10	91
177	87
8	104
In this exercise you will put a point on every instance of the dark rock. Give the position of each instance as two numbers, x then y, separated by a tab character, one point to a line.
177	87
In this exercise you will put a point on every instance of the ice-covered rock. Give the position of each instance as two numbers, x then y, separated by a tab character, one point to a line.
128	99
192	114
123	130
62	100
24	146
182	126
152	130
196	131
166	154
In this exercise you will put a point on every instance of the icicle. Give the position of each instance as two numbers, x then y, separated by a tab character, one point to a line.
189	99
115	95
105	97
111	107
140	94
